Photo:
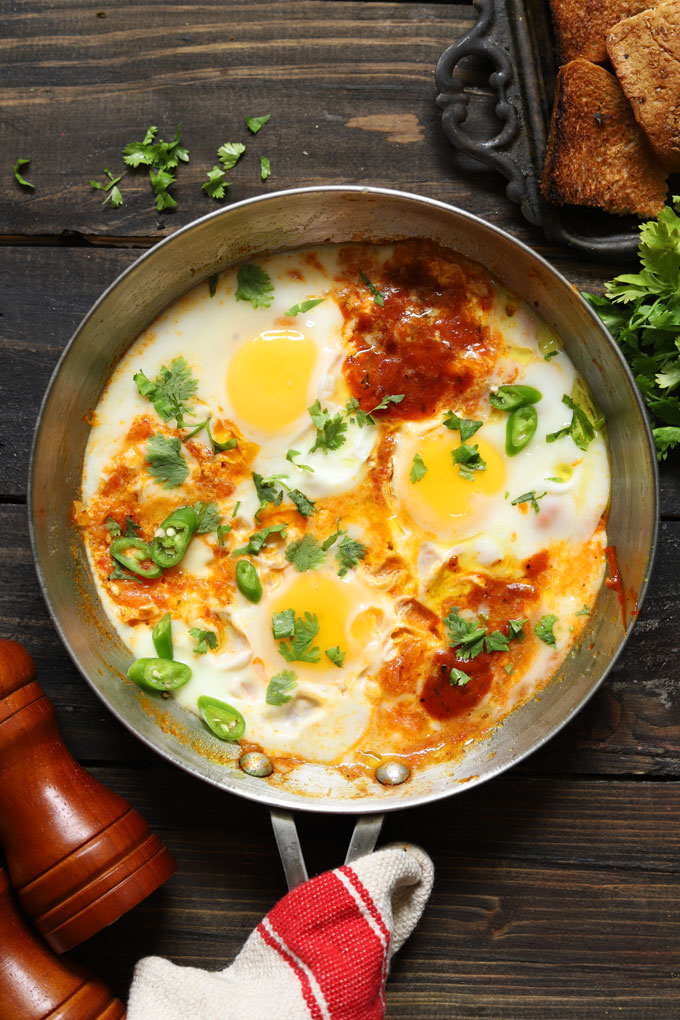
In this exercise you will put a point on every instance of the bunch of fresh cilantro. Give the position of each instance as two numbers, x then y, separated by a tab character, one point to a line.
642	312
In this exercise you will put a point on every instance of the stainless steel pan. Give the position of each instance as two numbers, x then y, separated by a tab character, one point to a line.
277	222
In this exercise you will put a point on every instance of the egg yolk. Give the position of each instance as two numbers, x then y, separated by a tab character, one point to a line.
268	379
342	619
443	495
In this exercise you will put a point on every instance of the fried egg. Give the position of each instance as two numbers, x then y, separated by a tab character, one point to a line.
416	578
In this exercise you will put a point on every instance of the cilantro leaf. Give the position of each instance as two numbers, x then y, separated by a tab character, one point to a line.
348	554
254	285
300	648
279	687
283	624
205	639
418	469
222	530
378	298
330	431
291	455
208	517
362	418
306	306
166	463
517	628
230	153
113	527
466	426
131	529
266	491
466	636
216	183
544	629
585	611
306	507
170	391
212	284
114	197
17	166
118	574
258	540
529	497
335	655
159	154
229	444
265	168
468	460
666	439
581	428
332	539
458	678
255	123
496	642
305	554
161	180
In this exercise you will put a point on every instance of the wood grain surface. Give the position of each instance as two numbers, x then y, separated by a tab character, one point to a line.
557	892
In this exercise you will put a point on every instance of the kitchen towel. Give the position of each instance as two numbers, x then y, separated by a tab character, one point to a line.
322	953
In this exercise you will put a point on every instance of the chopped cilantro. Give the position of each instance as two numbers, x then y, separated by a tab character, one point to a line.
509	668
283	624
265	168
581	428
17	166
254	285
378	298
161	180
468	460
208	517
222	530
418	469
529	497
466	426
166	463
466	636
458	678
517	628
305	554
258	540
236	506
496	642
362	418
348	554
216	183
267	492
255	123
299	648
205	639
212	284
160	154
230	153
332	539
118	574
585	611
306	306
335	655
280	686
544	629
229	444
330	431
305	506
292	454
132	530
113	527
171	389
114	196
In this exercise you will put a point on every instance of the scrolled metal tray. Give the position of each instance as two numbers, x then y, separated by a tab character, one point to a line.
515	37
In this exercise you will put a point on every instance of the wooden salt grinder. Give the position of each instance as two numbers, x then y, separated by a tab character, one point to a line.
35	985
78	855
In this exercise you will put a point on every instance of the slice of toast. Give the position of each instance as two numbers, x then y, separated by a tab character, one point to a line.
581	26
645	53
596	154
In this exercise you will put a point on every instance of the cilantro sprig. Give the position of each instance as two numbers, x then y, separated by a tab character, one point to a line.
470	637
254	285
165	461
642	312
330	429
170	390
111	188
362	418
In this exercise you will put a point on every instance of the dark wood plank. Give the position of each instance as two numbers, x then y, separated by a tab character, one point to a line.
631	726
46	291
551	899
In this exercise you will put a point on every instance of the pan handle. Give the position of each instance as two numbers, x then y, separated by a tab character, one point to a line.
364	838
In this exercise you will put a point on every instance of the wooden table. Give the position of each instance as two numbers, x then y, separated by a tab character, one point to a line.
557	888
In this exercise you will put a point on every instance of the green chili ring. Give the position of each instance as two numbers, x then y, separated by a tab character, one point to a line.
225	721
159	674
520	429
171	542
162	637
509	398
132	553
248	581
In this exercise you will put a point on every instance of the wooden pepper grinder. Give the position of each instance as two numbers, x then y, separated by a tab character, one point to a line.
78	855
35	985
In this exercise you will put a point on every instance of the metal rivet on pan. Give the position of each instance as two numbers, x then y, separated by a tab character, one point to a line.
256	764
392	773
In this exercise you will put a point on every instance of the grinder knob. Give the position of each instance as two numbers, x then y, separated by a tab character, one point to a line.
35	985
78	855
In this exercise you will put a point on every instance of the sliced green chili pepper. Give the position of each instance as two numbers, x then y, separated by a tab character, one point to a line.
226	722
248	582
508	398
174	535
162	637
519	429
159	674
133	554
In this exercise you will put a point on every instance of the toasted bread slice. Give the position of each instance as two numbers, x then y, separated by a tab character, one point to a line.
581	26
645	53
596	154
